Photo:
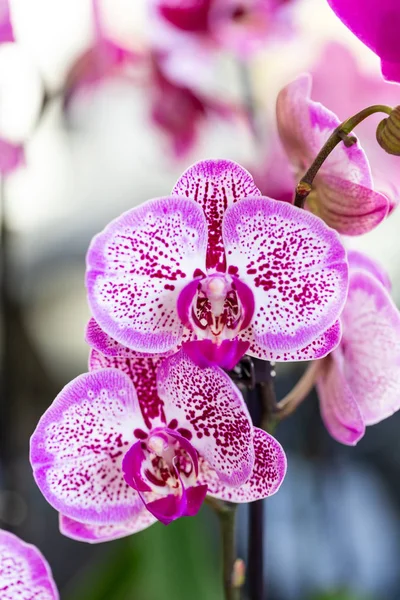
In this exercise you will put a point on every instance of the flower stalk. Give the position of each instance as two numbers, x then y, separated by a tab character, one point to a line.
295	397
340	134
226	512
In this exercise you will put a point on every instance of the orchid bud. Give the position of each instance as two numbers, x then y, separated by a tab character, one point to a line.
388	132
239	573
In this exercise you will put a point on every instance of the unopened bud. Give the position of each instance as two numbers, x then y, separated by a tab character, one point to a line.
388	133
239	573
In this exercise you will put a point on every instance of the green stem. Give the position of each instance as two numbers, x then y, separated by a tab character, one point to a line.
341	134
226	512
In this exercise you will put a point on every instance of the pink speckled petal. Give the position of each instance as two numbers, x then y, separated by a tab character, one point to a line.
339	409
24	572
210	406
350	208
371	338
137	267
98	339
358	261
6	30
142	372
295	266
318	348
96	533
215	185
265	480
78	447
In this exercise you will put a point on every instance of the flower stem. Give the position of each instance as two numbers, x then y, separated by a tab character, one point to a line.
226	512
341	134
295	397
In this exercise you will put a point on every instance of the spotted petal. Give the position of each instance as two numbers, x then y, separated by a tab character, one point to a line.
371	337
137	267
78	447
24	572
265	480
339	408
215	185
318	348
211	408
97	533
142	372
295	266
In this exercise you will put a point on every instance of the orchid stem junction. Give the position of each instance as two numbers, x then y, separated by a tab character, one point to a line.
341	134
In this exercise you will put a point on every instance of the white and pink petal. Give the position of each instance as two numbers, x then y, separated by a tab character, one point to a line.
208	404
24	572
295	266
137	267
358	261
339	408
268	473
215	185
371	345
78	447
95	533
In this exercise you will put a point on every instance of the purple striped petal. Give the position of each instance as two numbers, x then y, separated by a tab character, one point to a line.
340	411
98	339
265	480
350	208
24	572
295	266
78	447
215	185
211	408
371	342
142	372
318	348
137	267
358	261
97	533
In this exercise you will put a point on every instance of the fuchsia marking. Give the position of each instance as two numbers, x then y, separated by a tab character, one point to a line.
24	572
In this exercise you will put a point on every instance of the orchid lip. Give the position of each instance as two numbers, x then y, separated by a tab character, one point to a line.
216	306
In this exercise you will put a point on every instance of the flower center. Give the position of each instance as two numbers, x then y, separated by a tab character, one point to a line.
216	307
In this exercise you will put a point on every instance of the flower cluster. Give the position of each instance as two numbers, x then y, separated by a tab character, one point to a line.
179	287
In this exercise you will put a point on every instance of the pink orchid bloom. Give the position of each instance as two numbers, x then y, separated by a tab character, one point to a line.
217	261
102	60
135	441
11	156
357	90
343	194
359	383
376	23
239	25
6	29
24	572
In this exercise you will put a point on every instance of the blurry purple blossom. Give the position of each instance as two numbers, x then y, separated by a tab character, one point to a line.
218	262
6	29
377	24
148	435
24	572
11	156
359	383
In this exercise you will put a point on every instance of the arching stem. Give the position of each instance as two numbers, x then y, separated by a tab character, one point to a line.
341	134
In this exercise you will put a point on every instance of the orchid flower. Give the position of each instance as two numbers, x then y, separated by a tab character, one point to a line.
376	23
344	100
24	572
343	194
140	440
359	383
238	25
11	156
6	29
217	262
